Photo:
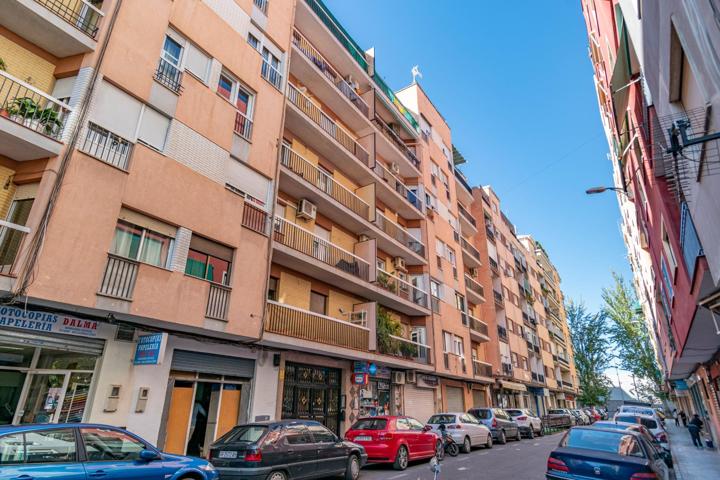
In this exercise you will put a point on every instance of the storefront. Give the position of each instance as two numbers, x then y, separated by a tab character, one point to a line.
539	402
378	396
480	396
510	394
419	397
454	399
312	392
48	364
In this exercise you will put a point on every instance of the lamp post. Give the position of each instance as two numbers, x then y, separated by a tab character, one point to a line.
596	190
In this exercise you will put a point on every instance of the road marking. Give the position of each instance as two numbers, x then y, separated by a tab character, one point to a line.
463	459
535	444
517	449
483	453
462	468
397	476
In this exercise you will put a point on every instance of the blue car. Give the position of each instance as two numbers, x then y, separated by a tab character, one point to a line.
86	451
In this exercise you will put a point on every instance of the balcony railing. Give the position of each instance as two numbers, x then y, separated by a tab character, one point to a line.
490	230
397	185
218	301
499	300
467	246
296	322
481	369
11	238
405	348
315	114
81	14
310	173
399	233
478	325
395	139
169	76
463	180
401	288
324	66
271	74
106	146
243	125
334	26
507	369
303	241
256	219
262	5
467	215
119	277
494	266
24	104
395	101
472	285
502	333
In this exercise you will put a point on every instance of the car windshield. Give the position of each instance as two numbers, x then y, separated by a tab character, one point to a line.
370	424
603	441
646	422
244	434
649	423
556	412
515	413
640	410
444	418
481	413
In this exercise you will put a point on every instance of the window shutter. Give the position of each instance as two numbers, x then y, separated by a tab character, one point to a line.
116	111
247	180
153	128
209	247
197	62
144	221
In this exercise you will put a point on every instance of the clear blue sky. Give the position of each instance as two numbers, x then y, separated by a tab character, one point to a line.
514	81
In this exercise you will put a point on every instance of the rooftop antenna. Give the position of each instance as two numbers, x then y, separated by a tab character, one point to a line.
416	72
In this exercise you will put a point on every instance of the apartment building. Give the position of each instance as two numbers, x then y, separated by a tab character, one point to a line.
657	82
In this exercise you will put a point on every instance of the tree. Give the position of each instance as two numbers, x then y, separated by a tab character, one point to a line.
629	333
588	333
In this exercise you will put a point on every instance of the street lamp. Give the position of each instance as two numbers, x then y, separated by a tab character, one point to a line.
596	190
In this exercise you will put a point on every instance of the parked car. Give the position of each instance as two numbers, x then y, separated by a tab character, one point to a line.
466	430
591	452
77	451
637	409
501	426
278	450
649	421
561	417
592	414
663	448
529	423
581	418
392	439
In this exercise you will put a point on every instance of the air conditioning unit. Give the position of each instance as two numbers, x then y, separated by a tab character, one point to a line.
306	209
363	238
395	168
398	378
411	376
399	264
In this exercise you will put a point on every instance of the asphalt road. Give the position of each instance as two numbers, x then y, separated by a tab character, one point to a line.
524	460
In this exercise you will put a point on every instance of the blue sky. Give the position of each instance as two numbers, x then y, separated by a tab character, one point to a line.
519	97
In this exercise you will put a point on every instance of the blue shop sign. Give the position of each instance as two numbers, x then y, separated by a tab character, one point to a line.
150	348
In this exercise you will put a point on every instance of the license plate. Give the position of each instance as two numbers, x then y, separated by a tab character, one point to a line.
227	454
363	438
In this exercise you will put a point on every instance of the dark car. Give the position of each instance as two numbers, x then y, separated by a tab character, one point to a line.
285	449
560	417
590	452
499	422
664	449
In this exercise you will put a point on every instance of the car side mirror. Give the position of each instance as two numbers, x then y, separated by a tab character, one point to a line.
148	455
427	428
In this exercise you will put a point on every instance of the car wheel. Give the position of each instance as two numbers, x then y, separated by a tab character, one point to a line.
540	431
531	433
489	442
467	446
518	437
501	438
352	472
277	476
401	459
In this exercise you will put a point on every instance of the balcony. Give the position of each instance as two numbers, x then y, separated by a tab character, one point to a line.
169	76
464	190
471	255
499	299
490	231
556	331
507	369
218	302
11	238
502	333
482	369
401	147
32	122
563	359
406	349
339	32
401	288
408	196
315	114
478	329
454	363
60	27
400	234
568	385
467	222
298	323
256	219
397	108
494	268
243	125
271	74
474	290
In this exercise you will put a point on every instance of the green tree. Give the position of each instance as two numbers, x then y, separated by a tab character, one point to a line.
629	333
591	347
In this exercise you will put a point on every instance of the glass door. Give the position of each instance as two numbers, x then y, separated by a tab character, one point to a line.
44	397
11	384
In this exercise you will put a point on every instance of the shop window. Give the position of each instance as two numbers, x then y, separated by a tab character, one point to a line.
318	303
10	239
138	242
209	260
272	293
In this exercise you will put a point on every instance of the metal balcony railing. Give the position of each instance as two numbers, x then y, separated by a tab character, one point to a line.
324	66
401	288
406	348
397	185
339	32
24	104
467	215
271	74
106	146
399	233
169	76
507	368
502	333
397	141
256	219
395	101
319	117
481	369
303	241
262	5
463	180
499	300
11	238
218	301
472	285
494	266
490	230
298	323
243	125
313	175
470	249
119	277
478	325
81	14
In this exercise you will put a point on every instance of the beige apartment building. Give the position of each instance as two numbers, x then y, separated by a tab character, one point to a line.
222	207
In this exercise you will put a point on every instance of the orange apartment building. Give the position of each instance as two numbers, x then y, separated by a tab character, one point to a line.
222	208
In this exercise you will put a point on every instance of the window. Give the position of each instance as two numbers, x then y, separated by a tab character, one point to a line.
414	424
667	248
235	93
318	303
50	446
103	444
297	435
460	302
447	342
10	239
435	289
139	243
524	363
458	347
253	41
514	358
209	260
270	70
172	51
666	278
322	434
12	449
272	293
402	424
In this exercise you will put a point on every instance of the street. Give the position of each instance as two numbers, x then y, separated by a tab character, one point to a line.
525	460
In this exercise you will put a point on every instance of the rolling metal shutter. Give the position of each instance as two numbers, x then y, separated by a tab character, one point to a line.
67	343
419	402
479	398
455	400
214	364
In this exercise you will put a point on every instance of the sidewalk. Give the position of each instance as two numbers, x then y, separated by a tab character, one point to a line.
690	462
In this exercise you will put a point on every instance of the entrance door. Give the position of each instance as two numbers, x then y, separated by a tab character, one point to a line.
44	398
11	384
312	393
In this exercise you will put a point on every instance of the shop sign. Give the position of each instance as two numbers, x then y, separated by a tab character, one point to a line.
150	349
361	367
382	385
680	385
427	381
383	372
46	322
360	378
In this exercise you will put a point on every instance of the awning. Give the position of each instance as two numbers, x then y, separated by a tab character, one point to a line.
513	386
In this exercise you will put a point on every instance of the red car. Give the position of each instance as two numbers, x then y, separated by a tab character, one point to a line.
396	440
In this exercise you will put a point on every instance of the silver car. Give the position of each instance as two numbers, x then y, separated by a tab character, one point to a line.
466	430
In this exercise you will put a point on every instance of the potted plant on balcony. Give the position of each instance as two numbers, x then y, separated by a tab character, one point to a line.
49	119
383	279
386	328
23	110
3	65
